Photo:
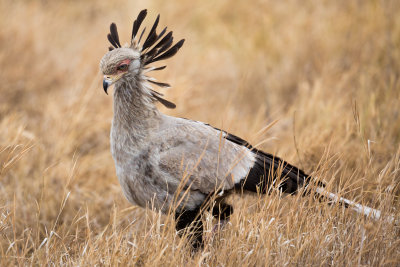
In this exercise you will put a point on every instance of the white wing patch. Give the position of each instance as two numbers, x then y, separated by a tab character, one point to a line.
244	161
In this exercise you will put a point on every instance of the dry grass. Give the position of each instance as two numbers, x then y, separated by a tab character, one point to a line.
328	70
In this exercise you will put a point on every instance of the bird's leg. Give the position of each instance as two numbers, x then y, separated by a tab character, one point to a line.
191	220
221	211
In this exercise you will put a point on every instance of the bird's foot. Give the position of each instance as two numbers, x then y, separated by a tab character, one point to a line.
219	225
209	237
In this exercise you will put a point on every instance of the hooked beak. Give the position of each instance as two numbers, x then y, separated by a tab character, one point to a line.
107	81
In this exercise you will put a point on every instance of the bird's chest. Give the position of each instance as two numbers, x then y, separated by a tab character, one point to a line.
138	173
132	157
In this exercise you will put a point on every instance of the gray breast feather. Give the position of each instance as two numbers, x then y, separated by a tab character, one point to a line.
201	155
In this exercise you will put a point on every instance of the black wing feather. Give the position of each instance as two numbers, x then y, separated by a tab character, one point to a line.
268	168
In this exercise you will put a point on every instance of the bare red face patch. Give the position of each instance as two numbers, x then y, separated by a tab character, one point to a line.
123	66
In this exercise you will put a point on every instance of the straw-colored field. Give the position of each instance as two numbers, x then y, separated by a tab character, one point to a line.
329	71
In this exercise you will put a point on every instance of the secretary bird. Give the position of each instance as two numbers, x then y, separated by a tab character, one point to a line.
178	164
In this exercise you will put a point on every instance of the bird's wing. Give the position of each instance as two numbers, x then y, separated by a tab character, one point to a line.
202	156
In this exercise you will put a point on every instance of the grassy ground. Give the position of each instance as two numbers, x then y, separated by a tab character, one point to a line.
329	71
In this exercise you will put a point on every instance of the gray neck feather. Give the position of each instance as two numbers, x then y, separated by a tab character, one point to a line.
134	111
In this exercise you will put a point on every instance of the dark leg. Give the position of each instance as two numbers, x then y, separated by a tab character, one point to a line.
222	211
191	220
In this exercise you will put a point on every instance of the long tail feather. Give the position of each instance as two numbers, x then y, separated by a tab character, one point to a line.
360	209
268	168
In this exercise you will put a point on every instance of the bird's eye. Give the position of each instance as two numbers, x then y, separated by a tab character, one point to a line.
122	67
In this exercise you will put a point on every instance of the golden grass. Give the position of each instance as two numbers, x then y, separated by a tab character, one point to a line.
328	70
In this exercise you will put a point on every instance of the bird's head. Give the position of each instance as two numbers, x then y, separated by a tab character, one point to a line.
117	63
133	60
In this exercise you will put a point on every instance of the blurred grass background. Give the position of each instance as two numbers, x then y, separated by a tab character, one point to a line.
327	70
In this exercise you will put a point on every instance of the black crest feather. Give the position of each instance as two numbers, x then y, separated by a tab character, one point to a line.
171	52
159	68
164	44
152	37
155	47
161	33
112	40
166	103
141	35
136	24
160	84
114	34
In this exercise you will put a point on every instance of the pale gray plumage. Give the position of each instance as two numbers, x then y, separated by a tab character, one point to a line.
151	163
154	153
